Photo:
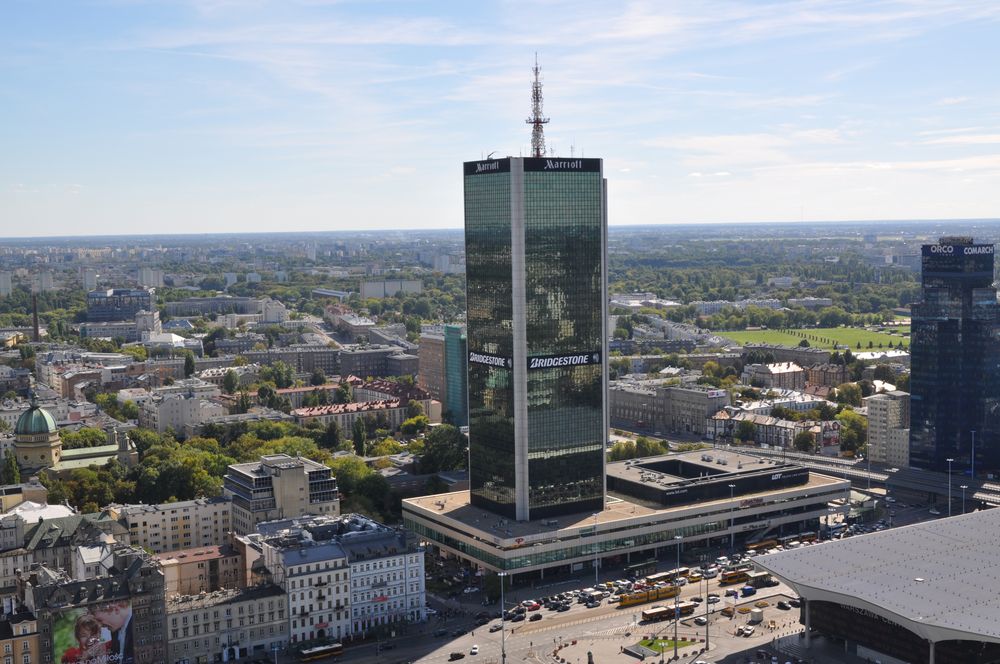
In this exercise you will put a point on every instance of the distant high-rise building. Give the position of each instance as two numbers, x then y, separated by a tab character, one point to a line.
118	304
150	277
456	369
6	285
955	360
43	282
535	237
88	276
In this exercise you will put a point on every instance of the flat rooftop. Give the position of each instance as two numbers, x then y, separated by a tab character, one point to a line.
709	463
940	578
456	506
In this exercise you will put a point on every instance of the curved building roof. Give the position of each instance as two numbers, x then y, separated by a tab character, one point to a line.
34	421
939	579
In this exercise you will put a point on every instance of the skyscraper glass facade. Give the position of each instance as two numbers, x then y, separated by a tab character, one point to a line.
535	245
456	374
955	360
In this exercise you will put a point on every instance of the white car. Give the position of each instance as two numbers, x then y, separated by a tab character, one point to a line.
475	650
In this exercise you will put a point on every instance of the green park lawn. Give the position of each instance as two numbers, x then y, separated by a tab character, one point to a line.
823	337
662	645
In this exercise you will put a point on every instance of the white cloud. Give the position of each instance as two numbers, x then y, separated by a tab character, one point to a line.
966	139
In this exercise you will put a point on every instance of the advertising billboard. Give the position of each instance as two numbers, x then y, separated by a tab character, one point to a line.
97	634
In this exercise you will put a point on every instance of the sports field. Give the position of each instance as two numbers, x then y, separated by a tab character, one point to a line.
823	337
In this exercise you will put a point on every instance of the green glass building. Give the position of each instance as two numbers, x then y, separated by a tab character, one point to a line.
456	371
536	274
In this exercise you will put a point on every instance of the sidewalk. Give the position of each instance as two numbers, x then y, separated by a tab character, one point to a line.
610	648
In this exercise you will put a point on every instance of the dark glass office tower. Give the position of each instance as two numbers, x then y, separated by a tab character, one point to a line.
536	273
955	360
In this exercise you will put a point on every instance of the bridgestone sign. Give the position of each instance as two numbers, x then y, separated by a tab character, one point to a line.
551	361
490	360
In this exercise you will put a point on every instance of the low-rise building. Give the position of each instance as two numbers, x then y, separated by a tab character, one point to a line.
391	413
202	570
226	625
173	526
122	607
673	408
19	637
830	375
177	411
344	575
787	375
279	487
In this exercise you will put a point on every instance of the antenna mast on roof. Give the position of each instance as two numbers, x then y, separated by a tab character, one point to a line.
537	119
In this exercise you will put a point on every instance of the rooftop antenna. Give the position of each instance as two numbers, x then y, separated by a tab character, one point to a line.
537	119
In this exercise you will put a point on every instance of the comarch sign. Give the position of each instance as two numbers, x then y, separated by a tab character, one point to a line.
576	359
967	250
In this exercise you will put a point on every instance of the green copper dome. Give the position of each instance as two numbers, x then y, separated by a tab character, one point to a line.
35	421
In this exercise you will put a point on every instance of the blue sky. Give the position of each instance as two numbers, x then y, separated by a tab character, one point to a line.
128	116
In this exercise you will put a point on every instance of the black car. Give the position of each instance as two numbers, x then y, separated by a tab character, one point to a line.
795	602
456	655
536	616
458	632
783	605
482	621
563	607
518	617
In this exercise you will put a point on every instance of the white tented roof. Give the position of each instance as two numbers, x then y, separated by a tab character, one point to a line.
939	579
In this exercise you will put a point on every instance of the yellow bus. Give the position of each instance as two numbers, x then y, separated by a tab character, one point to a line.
645	596
735	576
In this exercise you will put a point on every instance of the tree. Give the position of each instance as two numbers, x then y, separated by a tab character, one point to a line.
853	430
623	449
10	473
445	448
884	373
849	394
317	378
230	382
805	441
414	425
359	433
804	343
746	431
188	364
331	436
414	408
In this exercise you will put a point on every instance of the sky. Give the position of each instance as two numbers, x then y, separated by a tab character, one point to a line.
134	116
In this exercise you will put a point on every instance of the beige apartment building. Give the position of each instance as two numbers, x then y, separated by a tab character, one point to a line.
175	526
889	428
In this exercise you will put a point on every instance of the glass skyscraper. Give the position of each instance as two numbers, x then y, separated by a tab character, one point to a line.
456	374
955	360
536	271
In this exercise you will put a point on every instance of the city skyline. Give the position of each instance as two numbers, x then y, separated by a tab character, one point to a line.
159	118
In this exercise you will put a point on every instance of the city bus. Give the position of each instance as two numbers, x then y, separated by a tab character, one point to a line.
657	614
640	570
734	576
321	652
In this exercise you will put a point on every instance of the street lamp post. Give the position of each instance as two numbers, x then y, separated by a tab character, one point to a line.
732	533
503	613
972	470
949	485
963	487
596	550
677	616
706	612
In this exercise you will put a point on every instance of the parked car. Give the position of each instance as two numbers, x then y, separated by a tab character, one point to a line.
496	628
456	655
475	650
518	617
536	616
701	620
